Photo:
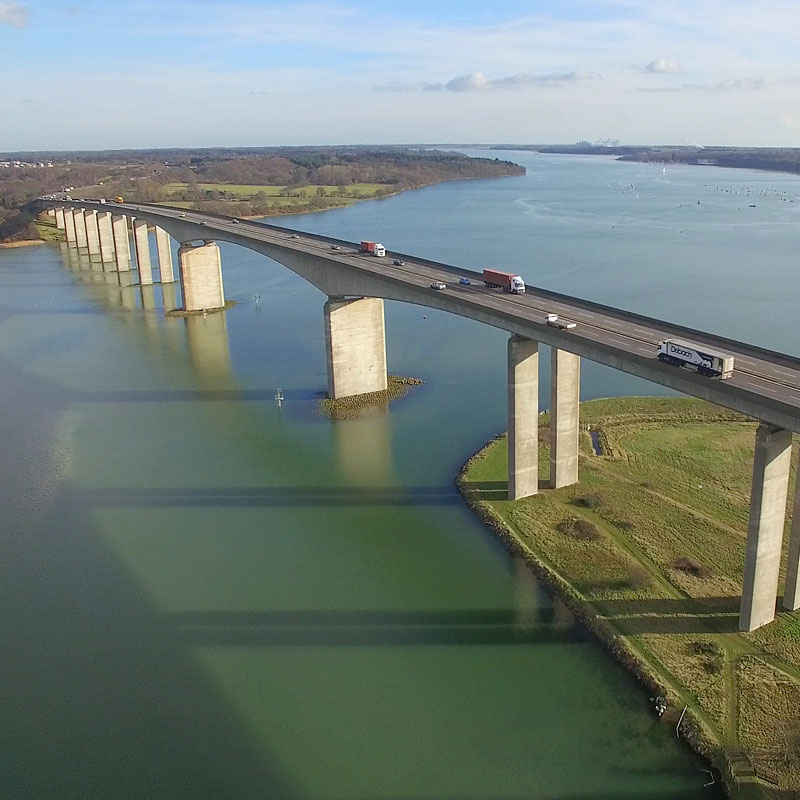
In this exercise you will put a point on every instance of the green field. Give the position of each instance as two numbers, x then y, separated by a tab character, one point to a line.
654	555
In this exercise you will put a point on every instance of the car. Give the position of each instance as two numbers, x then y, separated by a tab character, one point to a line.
203	222
556	322
465	281
335	247
438	285
398	262
235	221
182	214
293	236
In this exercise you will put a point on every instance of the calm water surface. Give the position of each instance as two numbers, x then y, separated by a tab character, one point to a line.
207	596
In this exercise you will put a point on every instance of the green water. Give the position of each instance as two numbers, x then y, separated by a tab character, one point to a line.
207	596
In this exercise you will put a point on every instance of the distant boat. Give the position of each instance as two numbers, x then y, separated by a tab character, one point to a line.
663	170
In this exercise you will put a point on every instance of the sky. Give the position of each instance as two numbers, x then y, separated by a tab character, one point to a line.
197	73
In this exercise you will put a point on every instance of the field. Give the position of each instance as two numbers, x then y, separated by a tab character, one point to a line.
649	548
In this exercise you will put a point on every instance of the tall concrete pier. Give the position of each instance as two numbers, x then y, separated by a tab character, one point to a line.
92	234
523	417
106	234
771	464
791	591
164	250
142	241
565	391
201	276
69	226
80	228
355	346
122	242
60	223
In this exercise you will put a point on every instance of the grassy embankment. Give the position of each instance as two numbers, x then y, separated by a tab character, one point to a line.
281	199
649	550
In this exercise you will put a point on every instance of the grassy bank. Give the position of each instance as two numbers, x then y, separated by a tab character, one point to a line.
648	549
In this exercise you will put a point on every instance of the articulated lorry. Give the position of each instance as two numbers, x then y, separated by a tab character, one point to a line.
373	248
705	360
494	279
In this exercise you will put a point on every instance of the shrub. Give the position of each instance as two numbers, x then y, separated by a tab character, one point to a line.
588	501
639	578
579	529
691	567
712	654
624	525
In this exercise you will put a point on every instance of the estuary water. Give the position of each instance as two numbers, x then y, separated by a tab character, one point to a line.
207	595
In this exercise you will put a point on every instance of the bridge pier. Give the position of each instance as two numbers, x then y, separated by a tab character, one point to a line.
69	226
771	464
355	346
791	590
201	276
141	240
122	242
565	391
80	228
106	235
523	417
164	252
60	222
92	234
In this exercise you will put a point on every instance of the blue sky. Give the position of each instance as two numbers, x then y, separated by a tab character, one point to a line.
87	75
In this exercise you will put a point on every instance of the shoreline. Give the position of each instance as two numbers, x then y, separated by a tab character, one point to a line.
633	529
692	731
23	243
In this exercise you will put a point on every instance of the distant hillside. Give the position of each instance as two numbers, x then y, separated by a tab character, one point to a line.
778	159
219	179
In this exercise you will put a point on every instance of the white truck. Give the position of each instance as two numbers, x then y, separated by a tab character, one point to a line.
556	322
706	360
373	248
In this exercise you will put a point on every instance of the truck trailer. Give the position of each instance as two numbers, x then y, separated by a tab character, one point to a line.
705	360
494	279
373	248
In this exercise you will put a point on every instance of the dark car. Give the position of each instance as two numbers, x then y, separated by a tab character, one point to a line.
335	247
465	282
398	262
293	236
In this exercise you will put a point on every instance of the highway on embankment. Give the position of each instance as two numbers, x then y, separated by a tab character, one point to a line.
764	384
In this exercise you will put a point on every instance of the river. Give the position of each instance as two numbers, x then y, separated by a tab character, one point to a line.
207	595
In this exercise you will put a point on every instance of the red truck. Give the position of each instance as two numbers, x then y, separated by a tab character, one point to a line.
508	282
373	248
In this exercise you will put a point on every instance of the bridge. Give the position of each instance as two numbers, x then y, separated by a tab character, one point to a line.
765	385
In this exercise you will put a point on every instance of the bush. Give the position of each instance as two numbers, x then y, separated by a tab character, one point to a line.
691	567
639	578
624	525
711	652
588	501
579	529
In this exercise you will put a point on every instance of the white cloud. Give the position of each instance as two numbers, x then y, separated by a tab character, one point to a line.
664	66
477	81
14	14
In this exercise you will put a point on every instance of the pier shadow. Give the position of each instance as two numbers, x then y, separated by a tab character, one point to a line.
275	497
673	615
486	490
355	628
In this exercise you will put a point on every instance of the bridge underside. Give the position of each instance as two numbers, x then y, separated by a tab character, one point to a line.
356	361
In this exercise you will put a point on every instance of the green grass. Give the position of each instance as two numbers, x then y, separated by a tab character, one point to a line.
673	483
246	191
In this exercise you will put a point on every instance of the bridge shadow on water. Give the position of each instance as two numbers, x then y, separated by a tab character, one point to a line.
252	497
324	628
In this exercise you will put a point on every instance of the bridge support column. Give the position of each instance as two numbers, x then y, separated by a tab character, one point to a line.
69	226
165	271
765	527
355	346
122	242
523	417
106	234
60	223
80	228
565	391
791	591
142	241
92	234
201	276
